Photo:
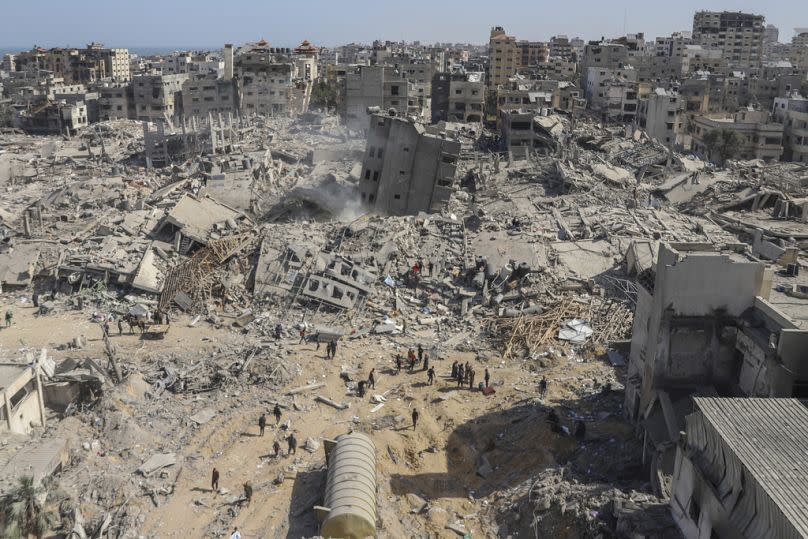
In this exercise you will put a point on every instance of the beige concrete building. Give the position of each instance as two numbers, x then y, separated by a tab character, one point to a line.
504	57
738	35
158	97
661	114
792	114
763	139
21	401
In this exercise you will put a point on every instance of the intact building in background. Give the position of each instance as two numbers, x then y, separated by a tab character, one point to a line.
738	35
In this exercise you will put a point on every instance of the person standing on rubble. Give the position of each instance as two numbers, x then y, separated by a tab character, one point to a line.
471	378
426	362
411	358
487	377
454	370
236	534
276	447
460	376
542	387
292	441
360	389
415	415
302	336
262	423
214	480
278	331
398	363
420	353
372	379
276	411
334	349
248	492
430	375
120	327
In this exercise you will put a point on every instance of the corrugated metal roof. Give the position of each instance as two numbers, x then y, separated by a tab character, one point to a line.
770	438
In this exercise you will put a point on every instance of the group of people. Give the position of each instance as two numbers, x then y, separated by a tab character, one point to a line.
370	382
330	348
465	374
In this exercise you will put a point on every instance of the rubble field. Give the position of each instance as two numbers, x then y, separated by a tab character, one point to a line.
168	308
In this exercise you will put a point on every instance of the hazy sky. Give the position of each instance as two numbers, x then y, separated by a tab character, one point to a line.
208	23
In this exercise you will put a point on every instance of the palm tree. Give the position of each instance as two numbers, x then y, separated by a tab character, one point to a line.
21	513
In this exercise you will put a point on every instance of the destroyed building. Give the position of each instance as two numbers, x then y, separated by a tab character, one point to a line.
704	325
21	397
740	469
406	169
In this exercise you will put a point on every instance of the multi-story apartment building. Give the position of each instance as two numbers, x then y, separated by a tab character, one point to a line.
95	62
466	98
561	47
738	35
762	138
532	53
792	113
373	86
158	97
116	101
614	93
406	170
503	57
205	94
661	114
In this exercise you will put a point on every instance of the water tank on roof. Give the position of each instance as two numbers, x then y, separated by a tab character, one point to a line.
349	510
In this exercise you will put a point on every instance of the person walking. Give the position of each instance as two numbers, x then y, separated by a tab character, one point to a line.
415	416
292	441
248	492
426	362
302	336
430	375
542	387
214	480
487	377
9	317
398	363
360	389
372	379
277	413
262	423
454	370
471	379
276	447
120	327
420	353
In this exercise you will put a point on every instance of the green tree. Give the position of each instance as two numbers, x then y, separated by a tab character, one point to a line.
723	144
21	513
323	96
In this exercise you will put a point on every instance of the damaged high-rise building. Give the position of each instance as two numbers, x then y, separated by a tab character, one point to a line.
406	170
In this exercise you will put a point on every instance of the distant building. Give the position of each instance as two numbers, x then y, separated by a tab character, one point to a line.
208	94
613	93
52	117
661	115
158	97
458	97
740	470
792	114
763	139
738	35
116	101
771	34
405	169
504	57
374	86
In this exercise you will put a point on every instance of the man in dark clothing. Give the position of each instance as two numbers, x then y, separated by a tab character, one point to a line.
278	331
420	353
398	363
292	444
277	413
360	390
372	378
471	379
460	376
414	418
302	336
542	387
214	480
277	448
426	362
35	299
120	327
430	375
262	423
487	377
454	370
333	349
248	492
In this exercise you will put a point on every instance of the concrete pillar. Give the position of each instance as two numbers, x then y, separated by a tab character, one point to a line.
26	224
7	408
39	392
228	61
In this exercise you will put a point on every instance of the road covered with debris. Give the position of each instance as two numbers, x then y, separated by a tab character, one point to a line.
165	310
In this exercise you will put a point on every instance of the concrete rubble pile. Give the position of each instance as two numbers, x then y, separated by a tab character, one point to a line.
254	228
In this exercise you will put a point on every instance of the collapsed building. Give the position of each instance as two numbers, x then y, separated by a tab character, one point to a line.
705	324
406	169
